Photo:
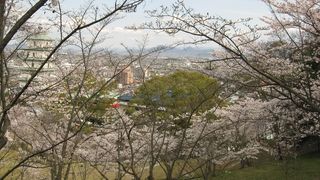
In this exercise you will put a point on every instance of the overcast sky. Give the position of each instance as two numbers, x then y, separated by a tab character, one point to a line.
117	33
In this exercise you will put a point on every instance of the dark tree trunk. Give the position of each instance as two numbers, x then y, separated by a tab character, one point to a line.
4	122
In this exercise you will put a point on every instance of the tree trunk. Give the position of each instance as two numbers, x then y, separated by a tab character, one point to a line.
150	177
244	162
170	174
4	123
210	170
280	158
53	170
152	160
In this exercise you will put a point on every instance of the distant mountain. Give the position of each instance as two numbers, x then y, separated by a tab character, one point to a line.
188	52
181	52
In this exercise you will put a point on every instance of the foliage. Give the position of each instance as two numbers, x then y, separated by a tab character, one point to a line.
180	92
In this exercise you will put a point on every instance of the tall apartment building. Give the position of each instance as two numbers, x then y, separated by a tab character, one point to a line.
126	76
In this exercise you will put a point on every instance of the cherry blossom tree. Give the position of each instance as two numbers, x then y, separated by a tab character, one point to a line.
15	17
54	116
277	62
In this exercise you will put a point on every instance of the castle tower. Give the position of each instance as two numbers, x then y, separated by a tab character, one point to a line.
37	49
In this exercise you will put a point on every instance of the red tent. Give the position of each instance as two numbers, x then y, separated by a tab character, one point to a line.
115	104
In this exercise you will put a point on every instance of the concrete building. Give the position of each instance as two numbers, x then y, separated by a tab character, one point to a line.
140	74
126	76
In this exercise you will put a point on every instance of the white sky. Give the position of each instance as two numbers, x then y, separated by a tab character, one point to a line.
117	33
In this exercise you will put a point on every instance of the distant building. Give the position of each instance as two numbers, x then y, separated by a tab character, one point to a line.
125	97
126	76
140	74
33	55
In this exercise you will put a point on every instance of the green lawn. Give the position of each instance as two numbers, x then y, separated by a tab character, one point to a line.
303	168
